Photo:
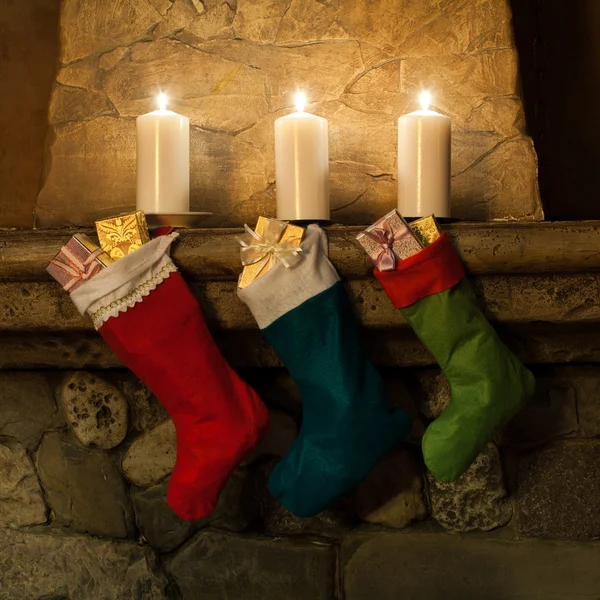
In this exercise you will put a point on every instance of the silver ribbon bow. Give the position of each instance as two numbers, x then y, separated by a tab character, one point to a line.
267	247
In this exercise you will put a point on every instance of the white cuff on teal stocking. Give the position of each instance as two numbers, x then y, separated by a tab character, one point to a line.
280	290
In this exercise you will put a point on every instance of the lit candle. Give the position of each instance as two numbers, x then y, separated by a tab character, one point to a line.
424	162
163	161
302	166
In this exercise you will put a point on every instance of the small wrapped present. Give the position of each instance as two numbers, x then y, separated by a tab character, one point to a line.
79	260
273	241
388	240
426	230
120	236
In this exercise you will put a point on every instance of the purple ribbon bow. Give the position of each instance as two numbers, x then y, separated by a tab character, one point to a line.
385	238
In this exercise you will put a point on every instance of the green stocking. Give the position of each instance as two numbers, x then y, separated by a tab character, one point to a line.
488	383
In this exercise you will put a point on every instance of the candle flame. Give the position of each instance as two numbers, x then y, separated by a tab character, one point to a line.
162	101
300	101
425	100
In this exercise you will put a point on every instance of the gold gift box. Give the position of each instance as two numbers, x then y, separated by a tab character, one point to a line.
252	272
426	230
120	236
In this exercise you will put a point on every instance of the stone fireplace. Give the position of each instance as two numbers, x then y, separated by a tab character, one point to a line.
86	450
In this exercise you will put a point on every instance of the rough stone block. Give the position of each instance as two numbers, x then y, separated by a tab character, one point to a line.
145	411
436	566
84	488
585	383
370	59
157	523
557	491
95	410
27	407
164	530
21	500
278	521
552	412
152	456
392	493
238	506
223	566
91	28
37	565
476	500
281	434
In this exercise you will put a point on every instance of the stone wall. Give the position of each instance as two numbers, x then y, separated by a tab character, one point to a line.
85	457
86	451
233	67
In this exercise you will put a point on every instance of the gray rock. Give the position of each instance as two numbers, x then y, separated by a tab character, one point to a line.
435	566
225	566
238	506
281	434
27	407
146	412
558	491
21	500
585	382
164	530
476	500
433	392
37	565
152	456
84	488
157	523
392	493
95	410
550	415
278	521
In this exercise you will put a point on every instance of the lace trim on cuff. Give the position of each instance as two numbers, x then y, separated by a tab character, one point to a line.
130	300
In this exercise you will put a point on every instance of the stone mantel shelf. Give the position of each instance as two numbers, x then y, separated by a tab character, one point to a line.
538	281
212	254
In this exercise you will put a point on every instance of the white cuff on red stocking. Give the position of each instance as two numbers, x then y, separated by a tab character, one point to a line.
127	282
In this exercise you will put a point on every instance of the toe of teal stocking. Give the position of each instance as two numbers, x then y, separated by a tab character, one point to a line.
327	462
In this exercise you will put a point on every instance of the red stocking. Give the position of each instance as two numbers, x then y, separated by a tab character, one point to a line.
145	311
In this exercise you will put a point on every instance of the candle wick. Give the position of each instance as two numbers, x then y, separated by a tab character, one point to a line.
425	100
162	101
300	102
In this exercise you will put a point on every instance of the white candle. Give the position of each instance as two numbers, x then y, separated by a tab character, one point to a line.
424	162
163	161
302	166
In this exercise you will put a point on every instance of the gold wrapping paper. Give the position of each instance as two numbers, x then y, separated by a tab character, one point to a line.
104	259
426	230
120	236
252	272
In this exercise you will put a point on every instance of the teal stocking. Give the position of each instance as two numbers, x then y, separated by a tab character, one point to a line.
347	426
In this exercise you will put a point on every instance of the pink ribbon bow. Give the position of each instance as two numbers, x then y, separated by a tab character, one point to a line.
79	270
385	238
